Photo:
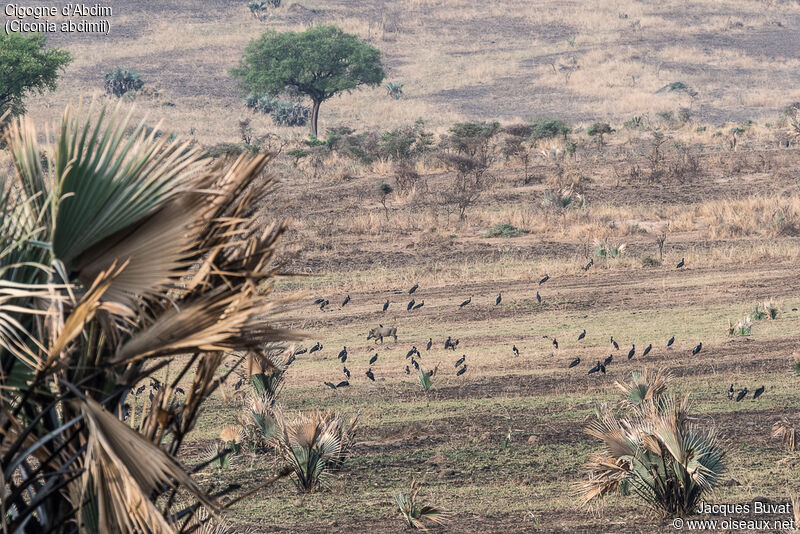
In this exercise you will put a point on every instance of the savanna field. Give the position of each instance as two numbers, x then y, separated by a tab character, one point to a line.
596	203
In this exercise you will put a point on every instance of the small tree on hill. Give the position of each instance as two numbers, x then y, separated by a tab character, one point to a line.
384	190
26	66
320	63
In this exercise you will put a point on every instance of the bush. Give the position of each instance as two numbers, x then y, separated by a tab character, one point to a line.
599	129
121	80
406	177
653	450
282	113
468	185
504	230
548	129
405	144
394	90
564	199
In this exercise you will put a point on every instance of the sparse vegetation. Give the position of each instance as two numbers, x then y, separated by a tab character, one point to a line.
503	230
417	515
121	81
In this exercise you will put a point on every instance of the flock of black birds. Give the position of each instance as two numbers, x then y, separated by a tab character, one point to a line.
598	367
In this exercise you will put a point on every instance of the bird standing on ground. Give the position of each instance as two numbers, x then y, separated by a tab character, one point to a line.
415	363
742	394
670	341
680	264
140	389
588	265
616	345
555	342
582	335
574	363
386	305
324	303
346	372
697	349
373	359
544	279
430	344
460	360
538	298
410	291
647	349
632	351
465	302
410	305
412	352
418	306
608	360
730	392
330	385
342	384
757	393
515	350
315	348
370	375
462	370
346	300
498	299
343	353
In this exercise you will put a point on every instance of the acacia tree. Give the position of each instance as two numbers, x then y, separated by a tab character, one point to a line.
26	66
320	63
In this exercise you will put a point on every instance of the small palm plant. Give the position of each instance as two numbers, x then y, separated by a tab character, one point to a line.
606	249
394	90
743	327
417	516
785	431
313	444
653	451
425	380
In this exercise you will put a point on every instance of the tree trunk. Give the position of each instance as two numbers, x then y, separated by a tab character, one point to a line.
315	117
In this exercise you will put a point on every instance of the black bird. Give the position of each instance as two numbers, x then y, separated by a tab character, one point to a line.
413	289
465	302
238	384
647	349
300	351
616	345
155	384
730	392
588	265
415	363
538	298
598	367
742	394
140	389
370	375
608	360
460	360
680	264
430	344
515	350
429	373
421	304
671	341
447	343
386	305
412	352
373	359
574	363
324	303
343	353
462	370
319	301
291	360
315	348
408	371
545	279
346	372
410	305
346	300
632	351
697	349
555	342
180	390
498	299
151	396
757	393
582	335
343	384
330	385
454	344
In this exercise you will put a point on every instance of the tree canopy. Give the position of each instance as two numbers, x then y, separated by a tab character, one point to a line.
26	66
320	62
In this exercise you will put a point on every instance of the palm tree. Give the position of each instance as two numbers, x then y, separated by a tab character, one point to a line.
654	452
123	255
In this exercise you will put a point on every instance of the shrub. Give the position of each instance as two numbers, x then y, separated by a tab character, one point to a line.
468	185
406	177
121	80
384	190
503	230
281	113
677	87
599	129
743	327
563	199
394	90
785	431
259	9
650	261
653	450
405	144
606	249
471	139
548	129
313	444
416	515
